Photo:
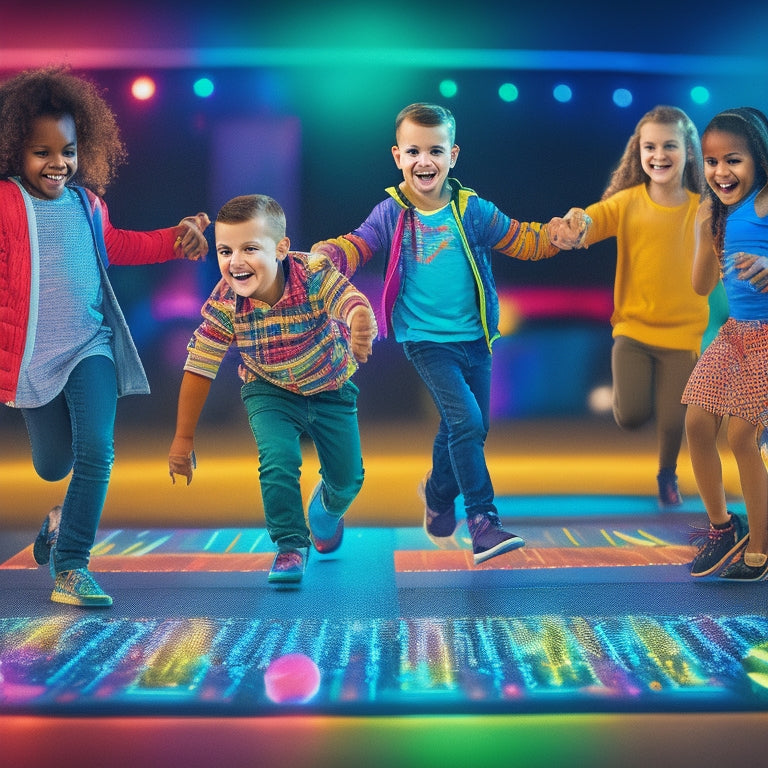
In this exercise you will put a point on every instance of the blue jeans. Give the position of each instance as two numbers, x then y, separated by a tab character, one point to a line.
458	376
278	419
75	432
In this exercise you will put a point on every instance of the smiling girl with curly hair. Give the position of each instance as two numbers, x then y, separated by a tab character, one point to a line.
66	351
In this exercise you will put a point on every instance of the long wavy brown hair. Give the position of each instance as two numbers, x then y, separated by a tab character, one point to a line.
629	172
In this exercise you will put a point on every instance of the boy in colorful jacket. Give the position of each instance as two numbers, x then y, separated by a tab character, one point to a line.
440	301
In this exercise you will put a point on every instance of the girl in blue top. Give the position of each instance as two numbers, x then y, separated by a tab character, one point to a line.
731	377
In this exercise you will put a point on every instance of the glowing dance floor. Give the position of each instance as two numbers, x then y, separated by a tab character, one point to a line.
596	616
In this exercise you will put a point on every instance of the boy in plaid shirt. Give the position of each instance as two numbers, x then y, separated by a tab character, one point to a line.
301	328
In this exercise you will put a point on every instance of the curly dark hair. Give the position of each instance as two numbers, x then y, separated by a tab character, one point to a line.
55	92
752	125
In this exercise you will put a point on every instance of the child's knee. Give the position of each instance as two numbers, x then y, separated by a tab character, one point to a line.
630	418
741	437
341	497
53	470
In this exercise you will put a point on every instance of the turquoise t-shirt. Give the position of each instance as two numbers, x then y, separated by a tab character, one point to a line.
438	298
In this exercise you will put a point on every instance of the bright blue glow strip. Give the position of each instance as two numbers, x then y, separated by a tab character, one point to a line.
419	58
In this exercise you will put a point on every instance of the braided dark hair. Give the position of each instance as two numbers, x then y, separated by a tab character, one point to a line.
752	125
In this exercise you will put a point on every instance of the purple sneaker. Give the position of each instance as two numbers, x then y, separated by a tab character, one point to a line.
489	539
669	493
439	526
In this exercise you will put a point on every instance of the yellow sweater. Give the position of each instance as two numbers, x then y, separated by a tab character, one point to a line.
654	302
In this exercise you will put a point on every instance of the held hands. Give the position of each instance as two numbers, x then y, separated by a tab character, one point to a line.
753	268
571	230
191	244
181	459
362	332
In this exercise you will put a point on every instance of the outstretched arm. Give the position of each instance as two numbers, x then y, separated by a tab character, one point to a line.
192	395
127	247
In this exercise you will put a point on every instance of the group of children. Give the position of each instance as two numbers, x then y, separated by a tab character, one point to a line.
686	213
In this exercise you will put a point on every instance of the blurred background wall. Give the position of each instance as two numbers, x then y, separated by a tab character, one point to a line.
297	100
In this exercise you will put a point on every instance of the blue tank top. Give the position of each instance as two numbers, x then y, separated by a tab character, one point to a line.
745	232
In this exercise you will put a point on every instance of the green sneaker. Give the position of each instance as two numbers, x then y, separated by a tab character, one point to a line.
78	587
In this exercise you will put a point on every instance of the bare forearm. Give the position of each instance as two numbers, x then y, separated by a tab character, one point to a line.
192	396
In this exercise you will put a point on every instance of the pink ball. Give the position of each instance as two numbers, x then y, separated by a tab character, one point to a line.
292	679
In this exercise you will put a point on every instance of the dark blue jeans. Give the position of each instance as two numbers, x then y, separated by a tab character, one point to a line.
278	419
458	376
75	433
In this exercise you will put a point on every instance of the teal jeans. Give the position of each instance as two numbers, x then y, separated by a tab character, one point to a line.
278	420
75	433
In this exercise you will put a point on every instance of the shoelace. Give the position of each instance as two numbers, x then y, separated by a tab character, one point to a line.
81	582
488	521
699	536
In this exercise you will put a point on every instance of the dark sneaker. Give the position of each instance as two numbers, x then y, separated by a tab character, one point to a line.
669	494
78	587
439	526
716	545
740	570
489	538
49	533
288	566
326	530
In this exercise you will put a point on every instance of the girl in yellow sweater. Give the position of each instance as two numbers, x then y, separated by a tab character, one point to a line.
658	319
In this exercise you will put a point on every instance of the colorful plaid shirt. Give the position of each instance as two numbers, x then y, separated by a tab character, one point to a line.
300	344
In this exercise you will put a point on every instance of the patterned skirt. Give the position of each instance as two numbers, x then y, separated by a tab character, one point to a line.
731	376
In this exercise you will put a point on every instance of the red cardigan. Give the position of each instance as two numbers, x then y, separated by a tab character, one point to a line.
116	246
